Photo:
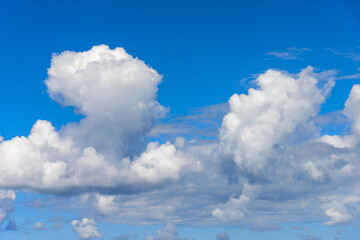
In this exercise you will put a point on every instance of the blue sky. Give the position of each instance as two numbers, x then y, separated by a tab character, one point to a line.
278	162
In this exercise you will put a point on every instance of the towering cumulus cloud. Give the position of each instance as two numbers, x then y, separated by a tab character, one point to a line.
116	93
266	116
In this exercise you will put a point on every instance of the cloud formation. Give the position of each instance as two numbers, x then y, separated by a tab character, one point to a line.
267	116
269	164
222	236
292	53
114	91
86	228
6	204
47	162
39	226
169	232
352	54
106	149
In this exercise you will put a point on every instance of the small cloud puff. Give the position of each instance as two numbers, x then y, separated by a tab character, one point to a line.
222	236
86	228
39	226
169	232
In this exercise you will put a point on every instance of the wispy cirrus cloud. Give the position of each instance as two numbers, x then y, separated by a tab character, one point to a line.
291	53
353	54
350	77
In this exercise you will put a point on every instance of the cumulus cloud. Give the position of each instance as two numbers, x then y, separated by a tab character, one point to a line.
352	112
113	90
6	204
46	161
269	162
232	210
235	209
222	236
86	228
117	95
169	232
271	137
352	108
268	115
39	226
162	161
106	204
337	213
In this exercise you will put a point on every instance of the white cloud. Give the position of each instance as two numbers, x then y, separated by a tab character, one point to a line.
292	53
232	210
117	95
86	228
9	194
352	112
116	92
162	162
106	204
352	54
46	161
269	162
337	212
169	232
235	208
39	226
267	116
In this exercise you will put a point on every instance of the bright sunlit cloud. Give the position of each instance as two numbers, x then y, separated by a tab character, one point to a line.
158	134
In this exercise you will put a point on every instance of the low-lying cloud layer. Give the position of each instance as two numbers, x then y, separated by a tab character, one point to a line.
269	165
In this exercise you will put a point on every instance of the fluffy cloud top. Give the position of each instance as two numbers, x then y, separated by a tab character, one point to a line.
337	213
266	116
169	232
46	161
116	93
352	112
232	210
39	226
86	228
106	204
